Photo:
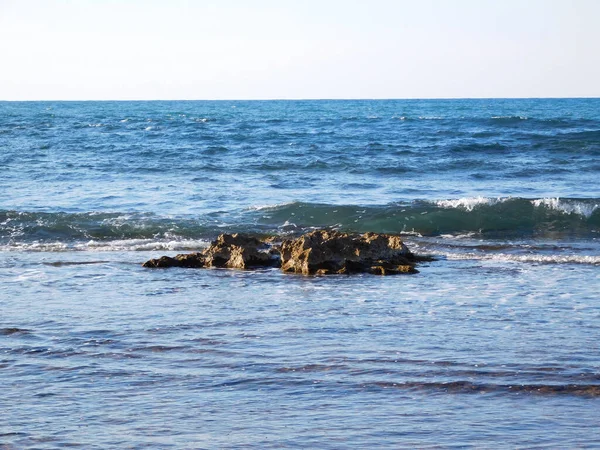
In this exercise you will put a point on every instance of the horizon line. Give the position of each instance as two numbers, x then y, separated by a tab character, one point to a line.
298	99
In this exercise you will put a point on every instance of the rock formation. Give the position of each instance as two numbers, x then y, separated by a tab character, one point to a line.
324	252
319	252
233	251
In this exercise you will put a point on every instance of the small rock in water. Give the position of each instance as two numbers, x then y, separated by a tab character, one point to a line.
233	251
192	260
319	252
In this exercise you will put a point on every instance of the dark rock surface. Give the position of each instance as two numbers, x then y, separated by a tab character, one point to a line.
193	260
319	252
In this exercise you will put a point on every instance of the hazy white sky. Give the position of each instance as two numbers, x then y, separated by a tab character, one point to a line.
263	49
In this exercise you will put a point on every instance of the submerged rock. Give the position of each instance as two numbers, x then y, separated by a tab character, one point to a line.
193	260
319	252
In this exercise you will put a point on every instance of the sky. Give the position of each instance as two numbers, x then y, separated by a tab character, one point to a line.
298	49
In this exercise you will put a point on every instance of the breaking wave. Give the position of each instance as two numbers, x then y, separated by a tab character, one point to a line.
477	216
529	258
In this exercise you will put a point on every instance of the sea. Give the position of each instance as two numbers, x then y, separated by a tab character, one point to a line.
493	344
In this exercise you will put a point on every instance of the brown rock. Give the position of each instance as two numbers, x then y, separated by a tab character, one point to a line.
391	269
320	252
236	251
327	252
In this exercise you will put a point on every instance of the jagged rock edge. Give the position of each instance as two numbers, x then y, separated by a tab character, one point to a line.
320	252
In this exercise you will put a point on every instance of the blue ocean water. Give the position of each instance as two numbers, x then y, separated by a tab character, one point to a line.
493	345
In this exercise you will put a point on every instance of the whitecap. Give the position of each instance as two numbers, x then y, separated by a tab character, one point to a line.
529	258
35	246
469	203
567	206
412	232
270	207
468	235
287	224
133	245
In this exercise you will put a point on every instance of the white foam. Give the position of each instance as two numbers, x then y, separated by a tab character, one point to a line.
270	207
469	203
529	258
36	247
109	246
567	206
468	235
288	224
411	233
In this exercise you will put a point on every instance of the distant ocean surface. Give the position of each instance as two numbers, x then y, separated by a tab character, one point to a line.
496	344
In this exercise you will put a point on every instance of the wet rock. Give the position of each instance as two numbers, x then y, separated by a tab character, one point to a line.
239	251
324	252
190	260
234	251
320	252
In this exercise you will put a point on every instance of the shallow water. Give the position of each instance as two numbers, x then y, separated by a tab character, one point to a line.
109	354
493	345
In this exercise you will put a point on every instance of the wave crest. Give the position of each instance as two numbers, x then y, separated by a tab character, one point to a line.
483	216
585	209
469	203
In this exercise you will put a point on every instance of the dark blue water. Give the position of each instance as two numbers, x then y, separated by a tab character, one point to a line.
493	345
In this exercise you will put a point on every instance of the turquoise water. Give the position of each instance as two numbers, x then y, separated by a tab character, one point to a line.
493	345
